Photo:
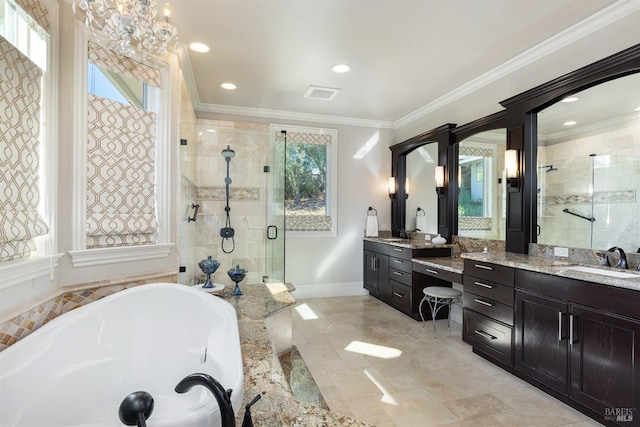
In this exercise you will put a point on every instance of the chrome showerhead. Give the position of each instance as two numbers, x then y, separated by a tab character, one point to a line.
550	168
228	153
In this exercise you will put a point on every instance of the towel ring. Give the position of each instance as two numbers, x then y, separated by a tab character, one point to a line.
420	210
375	212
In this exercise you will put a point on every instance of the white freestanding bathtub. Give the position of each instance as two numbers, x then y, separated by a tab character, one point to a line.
77	369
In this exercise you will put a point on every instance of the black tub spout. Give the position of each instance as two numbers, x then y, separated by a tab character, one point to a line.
223	397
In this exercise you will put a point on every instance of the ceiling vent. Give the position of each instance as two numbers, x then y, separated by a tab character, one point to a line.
323	93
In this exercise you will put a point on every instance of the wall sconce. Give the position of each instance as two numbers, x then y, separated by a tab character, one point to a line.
440	189
392	188
513	170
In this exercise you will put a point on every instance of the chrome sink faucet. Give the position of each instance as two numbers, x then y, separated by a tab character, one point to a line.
623	258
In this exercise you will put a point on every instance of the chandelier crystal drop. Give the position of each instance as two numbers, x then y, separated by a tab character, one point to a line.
130	25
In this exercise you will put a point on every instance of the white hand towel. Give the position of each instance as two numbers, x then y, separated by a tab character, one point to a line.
421	223
372	226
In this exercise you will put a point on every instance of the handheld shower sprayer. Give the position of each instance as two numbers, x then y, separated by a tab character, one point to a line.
227	232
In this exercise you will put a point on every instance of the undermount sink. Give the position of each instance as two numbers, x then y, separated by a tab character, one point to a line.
395	239
603	272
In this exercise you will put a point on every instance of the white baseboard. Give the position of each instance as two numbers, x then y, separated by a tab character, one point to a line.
326	290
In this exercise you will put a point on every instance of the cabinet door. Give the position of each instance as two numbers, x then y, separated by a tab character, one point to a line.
605	362
541	344
370	271
384	288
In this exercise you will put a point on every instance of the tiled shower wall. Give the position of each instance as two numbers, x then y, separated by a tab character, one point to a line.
615	185
251	144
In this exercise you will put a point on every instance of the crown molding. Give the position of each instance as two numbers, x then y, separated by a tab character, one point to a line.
595	22
291	115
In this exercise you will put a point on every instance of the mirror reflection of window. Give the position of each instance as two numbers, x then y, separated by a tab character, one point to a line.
588	171
481	196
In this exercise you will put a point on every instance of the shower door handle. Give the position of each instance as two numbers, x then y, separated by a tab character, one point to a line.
272	232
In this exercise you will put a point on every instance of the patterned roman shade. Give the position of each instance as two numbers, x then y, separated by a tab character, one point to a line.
20	223
121	153
121	143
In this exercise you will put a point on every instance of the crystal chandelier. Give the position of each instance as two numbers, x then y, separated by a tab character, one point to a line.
130	25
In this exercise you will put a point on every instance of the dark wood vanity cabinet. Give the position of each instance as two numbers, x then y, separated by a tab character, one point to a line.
581	340
376	268
487	321
388	274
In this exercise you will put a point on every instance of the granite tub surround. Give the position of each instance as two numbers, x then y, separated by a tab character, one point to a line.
263	373
558	267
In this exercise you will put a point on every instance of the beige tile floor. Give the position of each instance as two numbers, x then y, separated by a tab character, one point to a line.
375	364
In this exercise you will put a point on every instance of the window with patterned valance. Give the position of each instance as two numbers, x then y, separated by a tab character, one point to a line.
121	151
310	186
23	47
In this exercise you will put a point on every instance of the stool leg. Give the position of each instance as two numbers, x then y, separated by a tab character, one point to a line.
449	316
433	314
420	309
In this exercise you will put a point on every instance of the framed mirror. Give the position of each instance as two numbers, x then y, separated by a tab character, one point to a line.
406	159
482	185
422	200
480	189
588	168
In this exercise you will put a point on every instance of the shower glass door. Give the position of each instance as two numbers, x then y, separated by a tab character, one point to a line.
274	251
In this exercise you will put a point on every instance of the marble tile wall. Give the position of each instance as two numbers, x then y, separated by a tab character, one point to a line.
247	203
612	176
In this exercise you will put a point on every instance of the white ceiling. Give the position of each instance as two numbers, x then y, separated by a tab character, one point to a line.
404	54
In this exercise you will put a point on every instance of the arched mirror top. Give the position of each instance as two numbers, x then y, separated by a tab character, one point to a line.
479	189
539	126
413	163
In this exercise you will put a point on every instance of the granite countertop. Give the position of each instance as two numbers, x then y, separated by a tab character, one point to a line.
263	373
559	267
452	264
407	243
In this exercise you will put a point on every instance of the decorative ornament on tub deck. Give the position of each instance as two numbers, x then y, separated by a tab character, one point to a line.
237	274
208	267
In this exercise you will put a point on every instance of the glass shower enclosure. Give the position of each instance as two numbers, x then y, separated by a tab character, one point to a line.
275	210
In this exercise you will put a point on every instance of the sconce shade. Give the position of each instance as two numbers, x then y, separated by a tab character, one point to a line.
511	163
439	176
512	170
392	187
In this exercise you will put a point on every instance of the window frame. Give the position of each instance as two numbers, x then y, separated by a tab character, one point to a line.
43	261
331	190
80	255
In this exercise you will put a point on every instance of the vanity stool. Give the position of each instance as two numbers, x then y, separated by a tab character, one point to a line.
438	297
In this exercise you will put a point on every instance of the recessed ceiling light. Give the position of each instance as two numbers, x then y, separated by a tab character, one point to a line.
199	47
340	68
570	99
228	86
570	123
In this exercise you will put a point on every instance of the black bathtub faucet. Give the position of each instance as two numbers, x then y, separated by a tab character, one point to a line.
223	397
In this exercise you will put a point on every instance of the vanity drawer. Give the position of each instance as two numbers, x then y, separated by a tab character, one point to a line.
400	252
400	276
485	270
488	307
489	289
400	296
428	270
380	248
487	335
401	264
